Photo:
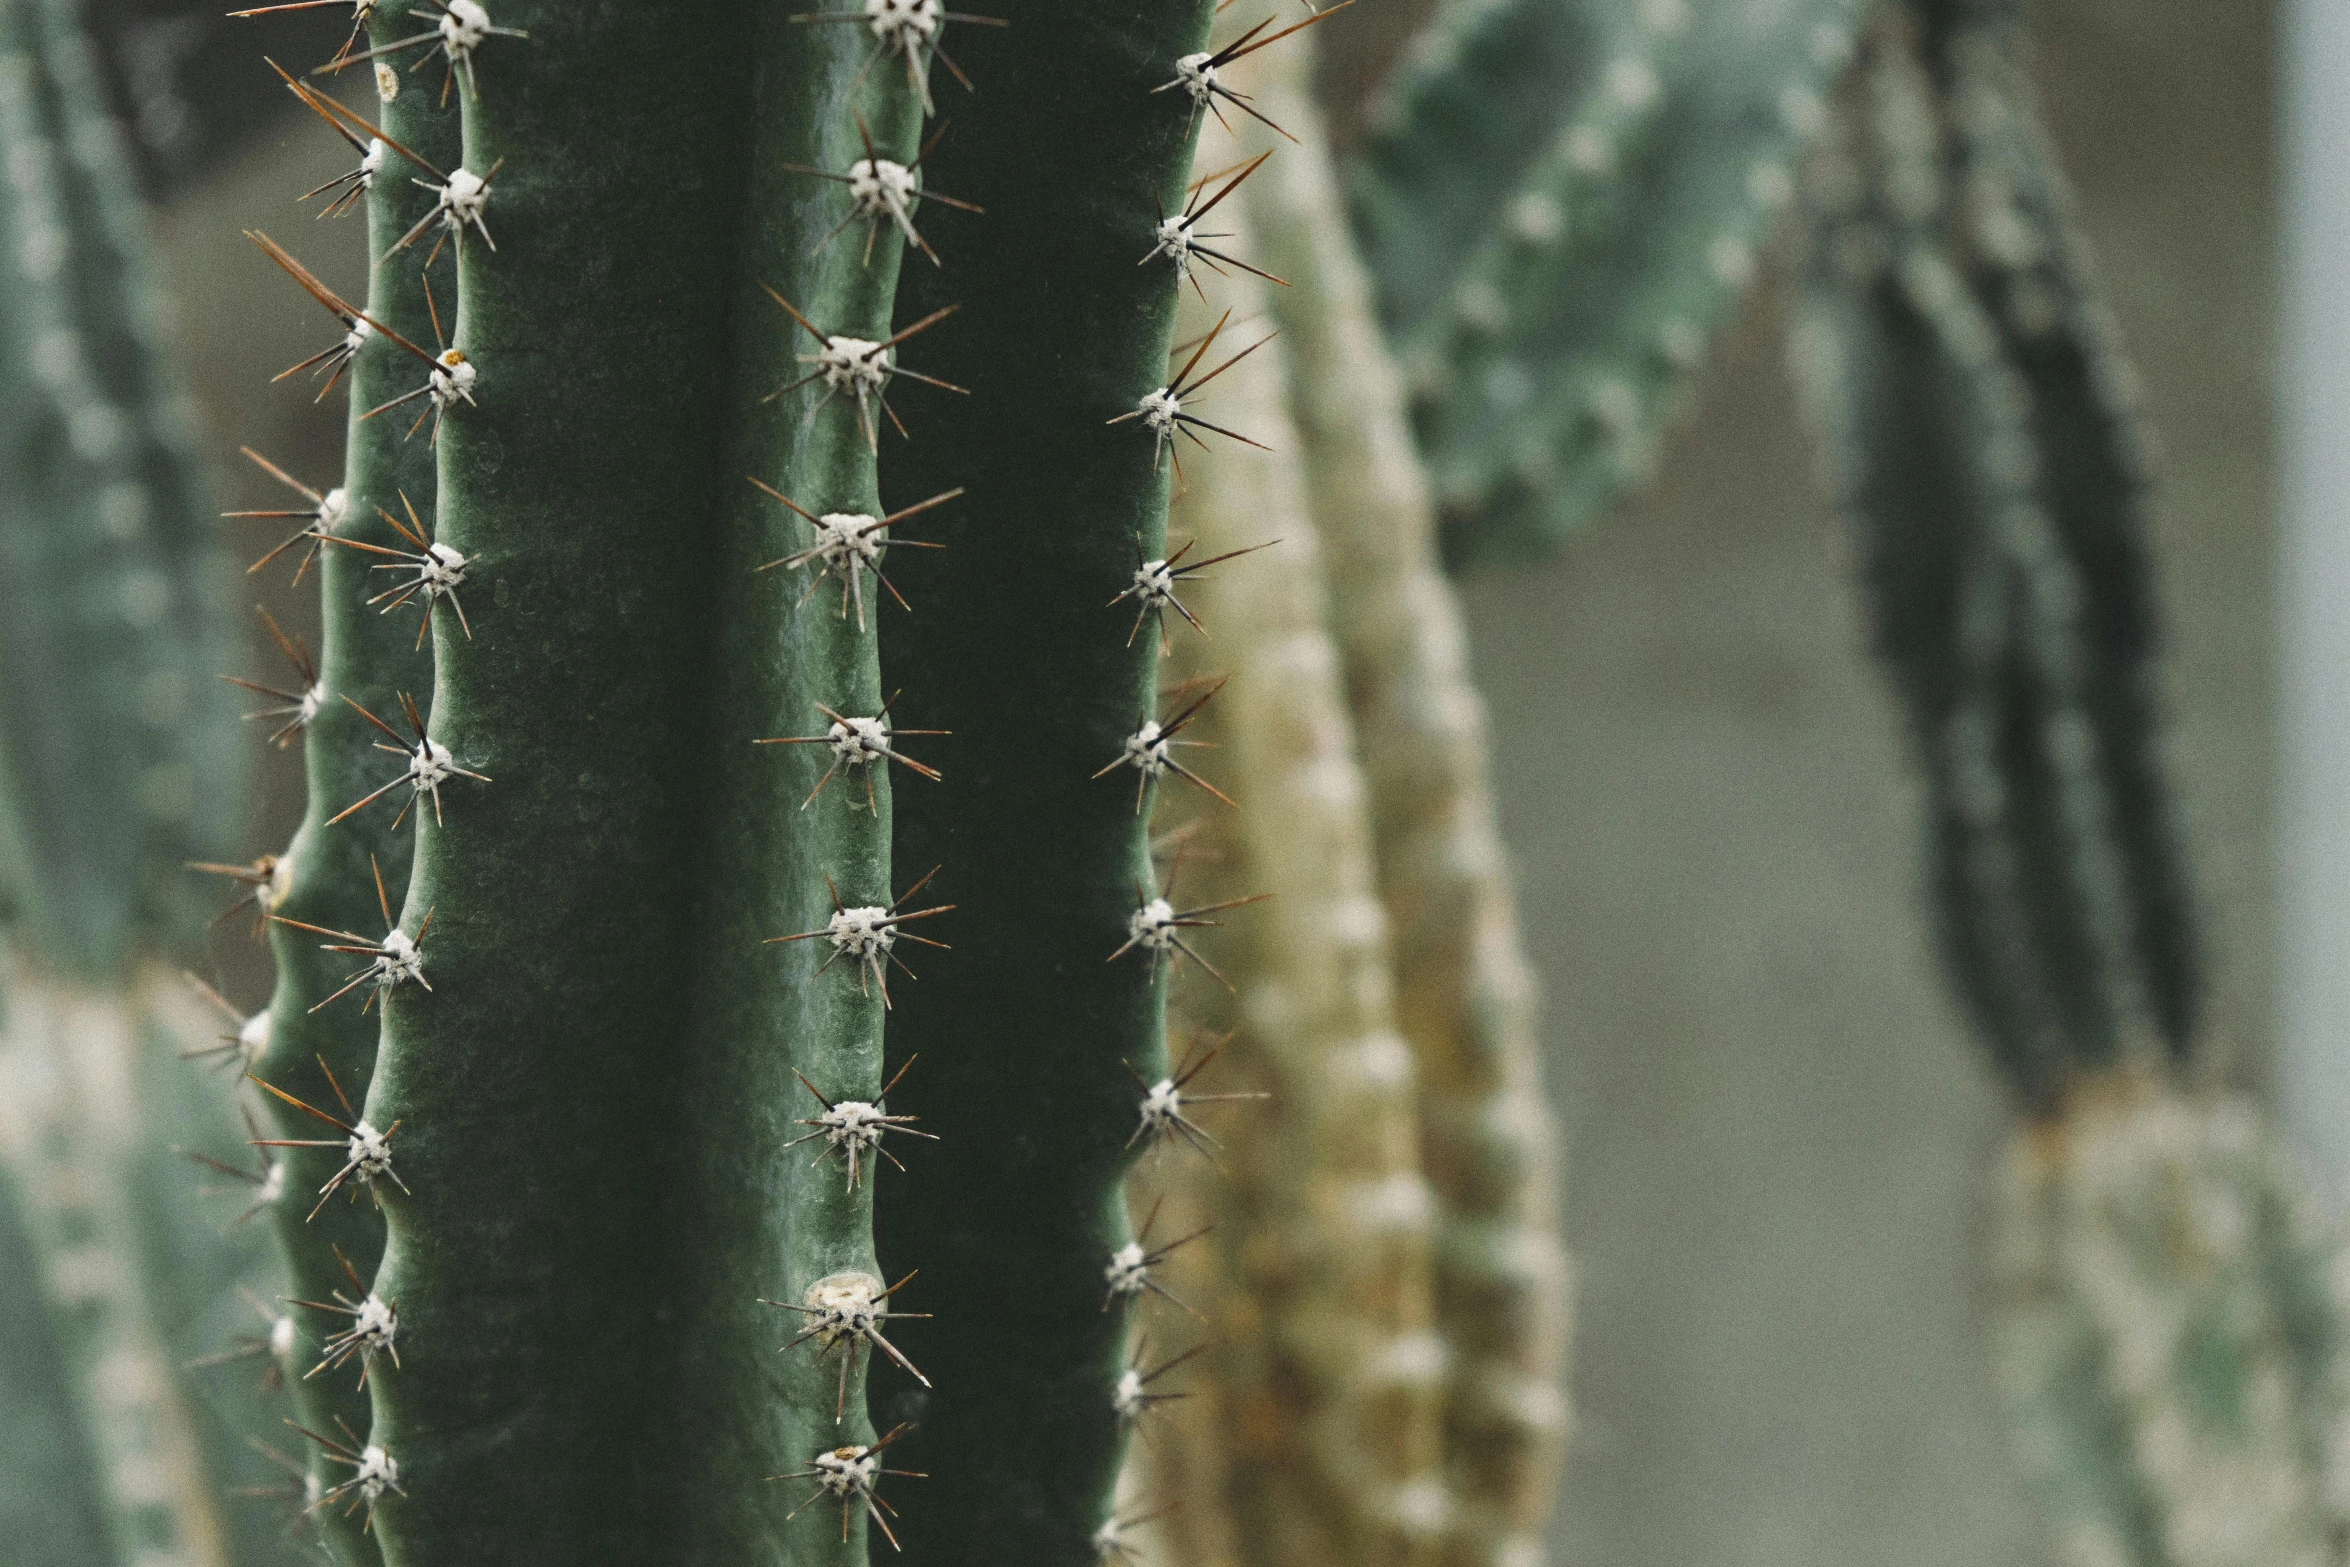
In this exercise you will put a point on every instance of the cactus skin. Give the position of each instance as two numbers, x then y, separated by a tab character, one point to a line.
766	1015
368	658
114	759
1022	1029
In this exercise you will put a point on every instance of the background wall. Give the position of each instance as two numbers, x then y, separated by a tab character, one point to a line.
1779	1130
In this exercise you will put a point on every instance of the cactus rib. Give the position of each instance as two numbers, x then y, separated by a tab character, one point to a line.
1464	990
1027	1036
320	1044
1333	1382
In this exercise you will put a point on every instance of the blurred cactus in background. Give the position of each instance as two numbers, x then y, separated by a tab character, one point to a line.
731	441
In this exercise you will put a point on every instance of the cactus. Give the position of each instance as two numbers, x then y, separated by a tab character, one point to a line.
2166	1320
111	750
116	766
1329	1376
1552	314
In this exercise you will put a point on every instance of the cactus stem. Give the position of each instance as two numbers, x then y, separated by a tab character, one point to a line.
867	937
850	1473
858	744
374	1329
1129	1274
430	765
1178	237
860	368
1155	581
845	1312
464	26
1164	1103
367	1152
1150	752
849	544
373	1471
1156	928
1161	410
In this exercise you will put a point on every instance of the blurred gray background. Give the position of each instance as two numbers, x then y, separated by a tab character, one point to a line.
1779	1132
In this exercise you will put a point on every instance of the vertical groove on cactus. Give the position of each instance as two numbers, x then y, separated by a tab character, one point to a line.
112	746
779	1023
1464	993
327	878
1031	1044
1332	1380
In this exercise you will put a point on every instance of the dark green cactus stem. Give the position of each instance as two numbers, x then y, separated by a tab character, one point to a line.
366	658
777	1024
1031	1044
114	760
1989	506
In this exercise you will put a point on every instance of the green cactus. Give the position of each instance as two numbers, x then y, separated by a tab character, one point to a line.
342	875
2166	1320
666	940
1551	330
